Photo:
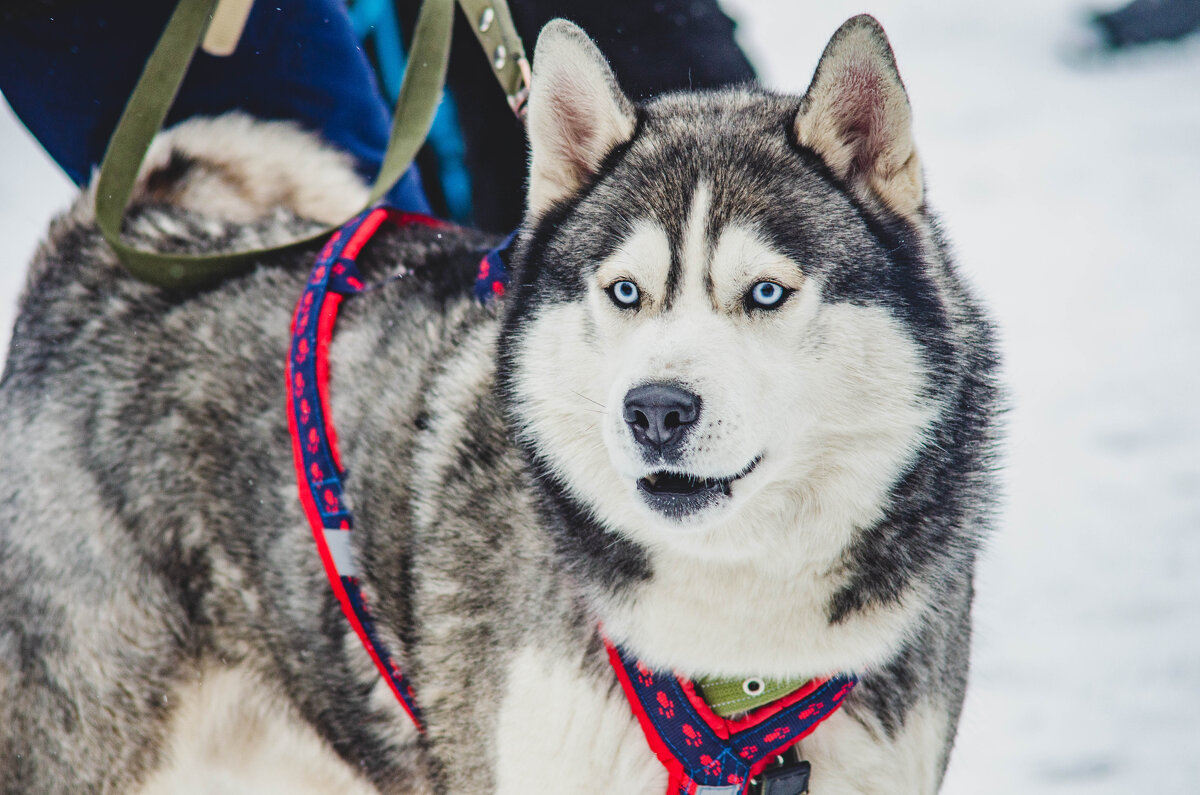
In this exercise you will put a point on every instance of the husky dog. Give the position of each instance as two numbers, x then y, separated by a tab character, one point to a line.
735	412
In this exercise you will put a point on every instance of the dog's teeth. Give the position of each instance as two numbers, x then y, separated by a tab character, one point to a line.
652	479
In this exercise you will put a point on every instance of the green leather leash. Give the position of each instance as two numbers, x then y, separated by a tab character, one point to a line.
420	93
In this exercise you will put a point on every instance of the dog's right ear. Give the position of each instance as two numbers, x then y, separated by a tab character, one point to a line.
577	114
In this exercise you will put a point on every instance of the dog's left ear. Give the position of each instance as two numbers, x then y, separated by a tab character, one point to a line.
577	114
856	117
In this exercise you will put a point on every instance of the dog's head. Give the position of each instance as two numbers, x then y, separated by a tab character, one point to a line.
722	327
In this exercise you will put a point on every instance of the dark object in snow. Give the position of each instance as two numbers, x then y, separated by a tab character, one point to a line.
1147	21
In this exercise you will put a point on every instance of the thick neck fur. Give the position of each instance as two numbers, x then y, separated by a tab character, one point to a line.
697	614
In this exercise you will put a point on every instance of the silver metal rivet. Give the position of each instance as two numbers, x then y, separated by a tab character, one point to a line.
486	18
753	686
500	57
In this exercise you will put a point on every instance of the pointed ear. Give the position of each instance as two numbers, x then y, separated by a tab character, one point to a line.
577	114
856	117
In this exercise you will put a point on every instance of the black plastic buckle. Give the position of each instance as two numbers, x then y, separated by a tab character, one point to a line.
782	777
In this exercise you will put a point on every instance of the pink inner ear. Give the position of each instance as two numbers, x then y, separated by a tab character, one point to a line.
576	123
861	110
578	136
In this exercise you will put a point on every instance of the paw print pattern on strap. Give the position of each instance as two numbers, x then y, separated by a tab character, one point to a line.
492	278
314	441
705	754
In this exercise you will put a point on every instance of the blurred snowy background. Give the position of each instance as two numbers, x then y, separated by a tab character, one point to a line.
1072	191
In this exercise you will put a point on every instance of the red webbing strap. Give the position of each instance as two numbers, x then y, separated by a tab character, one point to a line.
314	441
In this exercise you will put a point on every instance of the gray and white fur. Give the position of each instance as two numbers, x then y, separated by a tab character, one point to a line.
731	478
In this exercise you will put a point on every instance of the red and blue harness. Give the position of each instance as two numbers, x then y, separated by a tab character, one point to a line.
704	754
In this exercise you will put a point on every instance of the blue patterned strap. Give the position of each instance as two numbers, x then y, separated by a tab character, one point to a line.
705	754
314	440
492	279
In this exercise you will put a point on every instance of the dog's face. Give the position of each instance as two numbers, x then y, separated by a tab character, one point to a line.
712	343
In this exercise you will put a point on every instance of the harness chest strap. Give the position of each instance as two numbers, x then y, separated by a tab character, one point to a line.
704	753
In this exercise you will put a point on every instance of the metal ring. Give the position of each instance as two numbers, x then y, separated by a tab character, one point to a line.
500	57
754	686
486	18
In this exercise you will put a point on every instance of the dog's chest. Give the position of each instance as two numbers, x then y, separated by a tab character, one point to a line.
560	729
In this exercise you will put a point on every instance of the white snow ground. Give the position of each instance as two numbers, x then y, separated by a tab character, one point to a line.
1071	192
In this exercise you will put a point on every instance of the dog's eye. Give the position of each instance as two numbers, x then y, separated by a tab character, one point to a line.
766	295
625	294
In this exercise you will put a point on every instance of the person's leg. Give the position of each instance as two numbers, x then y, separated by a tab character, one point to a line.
67	68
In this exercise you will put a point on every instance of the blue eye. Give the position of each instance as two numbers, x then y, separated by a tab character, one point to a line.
767	295
625	294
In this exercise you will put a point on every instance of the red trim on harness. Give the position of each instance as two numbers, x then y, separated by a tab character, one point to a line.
296	388
366	230
699	748
675	772
370	225
332	303
836	699
317	526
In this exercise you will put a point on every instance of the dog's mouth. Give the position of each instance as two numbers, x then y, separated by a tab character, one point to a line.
671	484
679	494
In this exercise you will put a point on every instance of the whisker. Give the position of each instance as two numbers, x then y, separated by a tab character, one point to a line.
588	399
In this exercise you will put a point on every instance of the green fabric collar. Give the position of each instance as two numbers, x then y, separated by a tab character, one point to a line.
728	697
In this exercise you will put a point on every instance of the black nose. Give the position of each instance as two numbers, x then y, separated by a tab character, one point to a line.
659	415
